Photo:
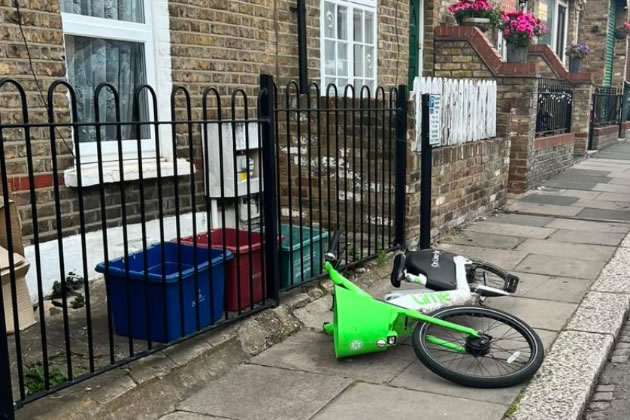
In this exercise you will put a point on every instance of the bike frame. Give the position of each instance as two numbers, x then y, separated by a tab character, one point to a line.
426	300
363	324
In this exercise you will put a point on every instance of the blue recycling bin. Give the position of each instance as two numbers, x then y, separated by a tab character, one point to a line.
159	297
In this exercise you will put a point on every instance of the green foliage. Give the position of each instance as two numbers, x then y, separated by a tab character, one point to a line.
34	378
382	257
78	302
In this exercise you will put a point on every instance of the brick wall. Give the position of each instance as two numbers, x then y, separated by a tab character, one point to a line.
551	155
604	136
458	59
593	23
580	121
465	52
619	60
469	181
212	43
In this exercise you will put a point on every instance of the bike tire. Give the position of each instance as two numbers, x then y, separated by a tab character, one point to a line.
426	351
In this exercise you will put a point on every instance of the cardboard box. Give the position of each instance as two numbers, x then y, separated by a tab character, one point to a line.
16	228
26	315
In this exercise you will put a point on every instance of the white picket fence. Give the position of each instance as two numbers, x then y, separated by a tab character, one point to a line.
469	108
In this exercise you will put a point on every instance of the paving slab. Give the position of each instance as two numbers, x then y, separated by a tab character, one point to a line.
588	195
502	258
620	181
562	386
615	277
485	239
417	377
601	313
549	199
589	226
378	402
578	171
583	237
561	289
523	231
615	196
529	281
567	250
313	352
577	183
614	155
546	209
590	213
315	313
603	204
520	219
563	267
183	415
544	314
610	161
257	392
613	188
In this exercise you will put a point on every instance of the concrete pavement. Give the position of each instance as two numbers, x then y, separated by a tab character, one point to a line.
557	239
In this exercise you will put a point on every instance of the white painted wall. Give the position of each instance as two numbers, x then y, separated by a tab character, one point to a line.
73	257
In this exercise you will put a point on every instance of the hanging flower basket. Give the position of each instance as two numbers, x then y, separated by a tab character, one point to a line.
621	32
478	13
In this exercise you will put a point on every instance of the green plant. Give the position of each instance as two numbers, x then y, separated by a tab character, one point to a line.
382	257
578	51
78	302
35	381
519	28
355	255
474	9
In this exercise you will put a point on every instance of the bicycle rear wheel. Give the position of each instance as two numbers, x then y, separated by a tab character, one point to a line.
510	354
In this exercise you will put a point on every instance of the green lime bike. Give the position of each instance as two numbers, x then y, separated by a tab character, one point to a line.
471	345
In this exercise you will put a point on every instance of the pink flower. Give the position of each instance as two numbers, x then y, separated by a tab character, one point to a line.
506	31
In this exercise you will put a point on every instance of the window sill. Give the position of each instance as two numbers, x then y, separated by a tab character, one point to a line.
111	172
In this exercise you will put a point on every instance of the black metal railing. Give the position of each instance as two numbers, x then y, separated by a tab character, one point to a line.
607	106
187	244
554	109
606	110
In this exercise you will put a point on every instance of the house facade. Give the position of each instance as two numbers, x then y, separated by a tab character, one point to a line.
194	44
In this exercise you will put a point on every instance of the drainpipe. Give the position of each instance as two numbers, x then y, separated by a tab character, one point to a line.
302	57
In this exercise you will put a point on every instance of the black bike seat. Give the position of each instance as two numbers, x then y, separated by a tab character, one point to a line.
437	266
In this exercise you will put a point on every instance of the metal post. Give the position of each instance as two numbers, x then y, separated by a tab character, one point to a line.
302	50
591	125
401	164
266	112
6	391
621	99
425	178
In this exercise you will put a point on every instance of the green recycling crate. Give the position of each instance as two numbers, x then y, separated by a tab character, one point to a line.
291	252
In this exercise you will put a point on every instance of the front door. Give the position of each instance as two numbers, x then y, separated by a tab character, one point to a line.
416	24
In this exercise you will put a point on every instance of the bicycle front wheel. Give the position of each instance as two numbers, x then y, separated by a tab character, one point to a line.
508	353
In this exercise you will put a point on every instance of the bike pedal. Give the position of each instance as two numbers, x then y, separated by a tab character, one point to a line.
511	283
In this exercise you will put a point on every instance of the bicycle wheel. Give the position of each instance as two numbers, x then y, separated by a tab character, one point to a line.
511	353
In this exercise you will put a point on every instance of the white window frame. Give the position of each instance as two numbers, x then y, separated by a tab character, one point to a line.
118	30
554	34
364	5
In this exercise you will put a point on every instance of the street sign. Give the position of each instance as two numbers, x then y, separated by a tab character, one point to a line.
435	109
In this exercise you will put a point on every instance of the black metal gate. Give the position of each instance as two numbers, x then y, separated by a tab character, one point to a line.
607	109
261	166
